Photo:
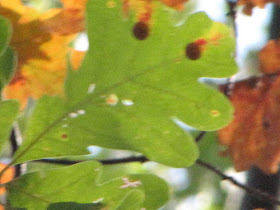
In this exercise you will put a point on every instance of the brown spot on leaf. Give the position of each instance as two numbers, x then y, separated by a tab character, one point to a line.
252	83
193	51
64	136
141	31
266	124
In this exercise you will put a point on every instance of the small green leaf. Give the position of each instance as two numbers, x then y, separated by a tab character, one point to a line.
7	56
7	66
79	183
8	113
5	35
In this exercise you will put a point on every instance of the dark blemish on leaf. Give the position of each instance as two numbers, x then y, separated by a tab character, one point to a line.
266	124
193	51
141	31
64	136
252	83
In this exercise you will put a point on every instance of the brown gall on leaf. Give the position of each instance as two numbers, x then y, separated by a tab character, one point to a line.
64	136
253	136
193	51
141	31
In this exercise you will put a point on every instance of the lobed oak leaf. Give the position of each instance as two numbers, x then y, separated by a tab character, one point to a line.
41	42
253	136
269	57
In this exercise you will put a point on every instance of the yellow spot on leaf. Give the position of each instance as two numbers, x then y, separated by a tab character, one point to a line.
112	99
215	113
111	4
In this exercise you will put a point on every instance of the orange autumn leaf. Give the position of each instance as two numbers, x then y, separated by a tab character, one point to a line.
250	4
253	136
7	176
144	8
269	57
67	21
41	42
176	4
77	58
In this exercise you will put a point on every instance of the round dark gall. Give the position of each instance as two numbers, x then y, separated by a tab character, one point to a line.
193	51
141	31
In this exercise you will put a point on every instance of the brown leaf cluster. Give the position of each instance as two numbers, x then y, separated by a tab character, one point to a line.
253	136
269	57
41	41
250	4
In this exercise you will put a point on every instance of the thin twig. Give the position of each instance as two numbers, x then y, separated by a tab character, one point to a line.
232	13
14	146
140	159
256	192
230	84
200	136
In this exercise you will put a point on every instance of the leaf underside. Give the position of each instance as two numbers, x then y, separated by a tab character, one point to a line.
128	92
37	190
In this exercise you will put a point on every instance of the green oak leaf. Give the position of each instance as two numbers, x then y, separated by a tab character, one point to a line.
7	56
8	113
5	35
79	183
128	92
7	67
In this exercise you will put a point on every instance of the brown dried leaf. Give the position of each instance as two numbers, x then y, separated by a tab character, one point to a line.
253	137
250	4
41	42
269	57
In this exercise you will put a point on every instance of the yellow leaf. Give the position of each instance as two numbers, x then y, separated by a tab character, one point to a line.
41	42
6	177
